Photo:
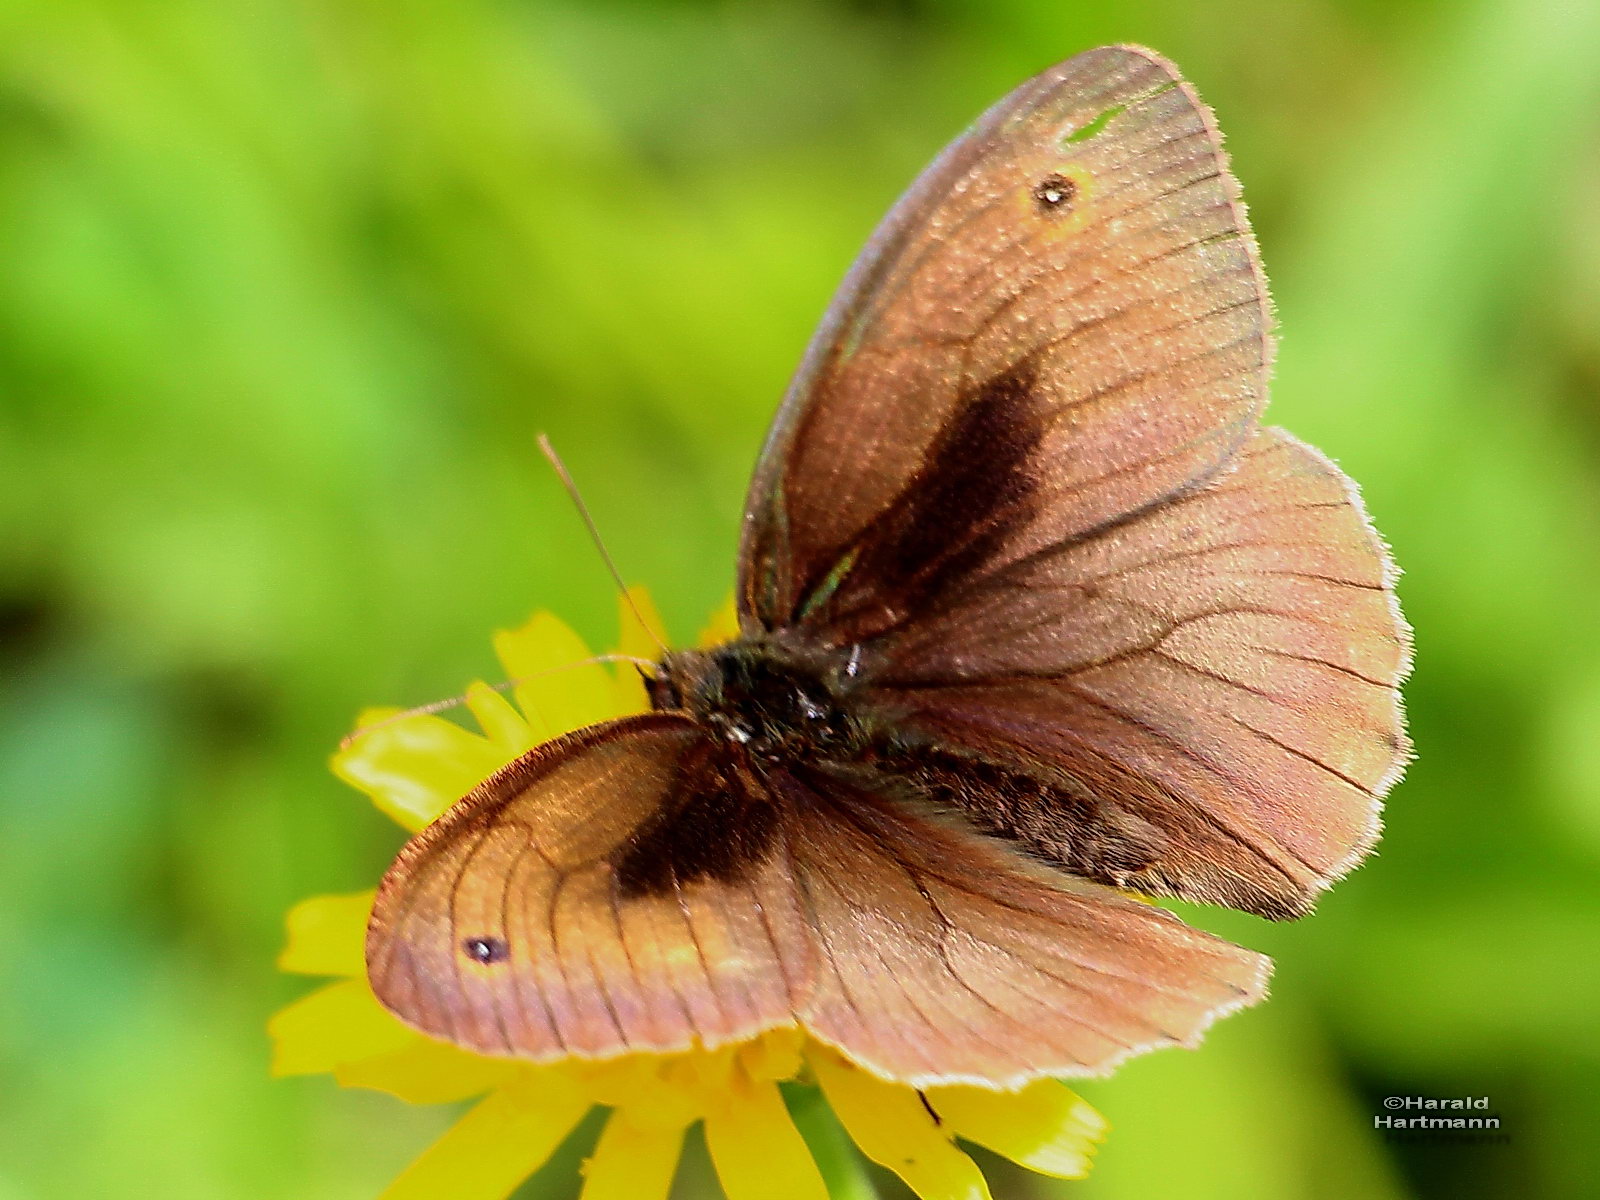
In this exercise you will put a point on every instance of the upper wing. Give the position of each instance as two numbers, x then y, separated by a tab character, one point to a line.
1000	367
606	894
534	918
1211	688
1020	473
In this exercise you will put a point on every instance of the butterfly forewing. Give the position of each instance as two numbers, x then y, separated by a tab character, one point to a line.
508	927
1070	291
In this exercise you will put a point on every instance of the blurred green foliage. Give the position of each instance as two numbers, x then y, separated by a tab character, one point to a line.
288	289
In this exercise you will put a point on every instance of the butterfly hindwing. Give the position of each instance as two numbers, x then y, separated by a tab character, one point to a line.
1220	673
943	958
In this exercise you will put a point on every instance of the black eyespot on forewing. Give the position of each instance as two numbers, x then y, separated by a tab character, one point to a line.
718	822
1054	193
486	950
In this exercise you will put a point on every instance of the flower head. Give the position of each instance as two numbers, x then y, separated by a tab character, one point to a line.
413	767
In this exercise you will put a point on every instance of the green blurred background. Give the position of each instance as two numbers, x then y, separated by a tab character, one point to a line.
287	289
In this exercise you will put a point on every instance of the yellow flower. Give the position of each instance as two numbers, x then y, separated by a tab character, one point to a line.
413	768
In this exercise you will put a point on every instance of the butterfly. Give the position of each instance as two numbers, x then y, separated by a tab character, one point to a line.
1036	622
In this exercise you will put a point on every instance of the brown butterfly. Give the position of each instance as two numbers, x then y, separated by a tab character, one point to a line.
1033	613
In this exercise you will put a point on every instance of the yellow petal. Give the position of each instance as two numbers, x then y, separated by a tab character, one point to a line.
611	1081
723	626
758	1153
327	935
427	1072
501	723
632	1162
893	1128
656	1089
775	1055
336	1024
416	767
502	1140
642	640
1046	1126
554	700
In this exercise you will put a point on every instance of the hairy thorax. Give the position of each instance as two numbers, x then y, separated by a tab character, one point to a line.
777	702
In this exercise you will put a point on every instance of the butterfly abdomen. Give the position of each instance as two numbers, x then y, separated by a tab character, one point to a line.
770	707
1054	817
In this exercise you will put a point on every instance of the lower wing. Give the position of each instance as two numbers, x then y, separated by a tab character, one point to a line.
515	926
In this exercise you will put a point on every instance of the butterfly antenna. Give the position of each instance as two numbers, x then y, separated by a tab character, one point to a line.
567	482
439	706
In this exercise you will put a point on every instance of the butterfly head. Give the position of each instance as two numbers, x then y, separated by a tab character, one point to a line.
777	701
